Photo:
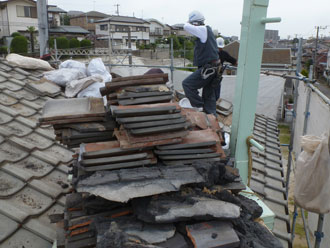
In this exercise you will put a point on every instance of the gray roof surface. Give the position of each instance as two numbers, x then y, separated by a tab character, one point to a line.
123	19
55	9
92	14
69	29
267	178
33	166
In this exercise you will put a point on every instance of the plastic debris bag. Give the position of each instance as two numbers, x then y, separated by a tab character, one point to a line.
72	64
313	175
27	62
63	76
93	90
74	87
96	67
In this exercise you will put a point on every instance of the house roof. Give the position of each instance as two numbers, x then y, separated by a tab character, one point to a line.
92	14
56	9
155	20
122	19
269	56
73	13
267	178
33	166
69	30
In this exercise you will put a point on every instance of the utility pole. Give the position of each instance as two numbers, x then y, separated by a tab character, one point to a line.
117	11
315	52
43	26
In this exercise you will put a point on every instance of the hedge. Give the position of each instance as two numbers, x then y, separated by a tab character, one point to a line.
62	43
74	43
19	45
3	50
15	34
85	43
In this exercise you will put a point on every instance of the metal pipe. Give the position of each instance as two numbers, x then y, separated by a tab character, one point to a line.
302	211
270	20
295	214
318	92
307	113
318	233
172	68
256	144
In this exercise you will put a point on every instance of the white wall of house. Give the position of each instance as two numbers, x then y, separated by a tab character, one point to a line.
55	16
120	38
156	31
19	23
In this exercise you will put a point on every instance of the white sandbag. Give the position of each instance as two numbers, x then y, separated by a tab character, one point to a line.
74	87
93	90
96	67
312	181
63	76
27	62
72	64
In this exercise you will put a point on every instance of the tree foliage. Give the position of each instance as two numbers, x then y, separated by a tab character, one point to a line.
19	45
3	50
85	43
74	43
65	20
62	43
15	34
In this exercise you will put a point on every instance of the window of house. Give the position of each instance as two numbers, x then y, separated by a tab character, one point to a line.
104	27
26	11
90	20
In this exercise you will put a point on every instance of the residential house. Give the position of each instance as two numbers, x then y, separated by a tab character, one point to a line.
167	30
156	30
54	15
17	16
68	32
87	20
271	36
271	57
116	28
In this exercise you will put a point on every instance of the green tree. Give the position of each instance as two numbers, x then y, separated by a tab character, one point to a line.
31	30
304	72
19	45
85	43
62	43
176	43
51	42
74	43
65	20
3	50
15	34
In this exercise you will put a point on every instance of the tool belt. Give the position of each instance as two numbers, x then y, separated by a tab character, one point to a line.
210	69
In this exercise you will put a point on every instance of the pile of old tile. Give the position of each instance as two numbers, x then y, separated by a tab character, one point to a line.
150	125
140	89
113	157
163	206
78	120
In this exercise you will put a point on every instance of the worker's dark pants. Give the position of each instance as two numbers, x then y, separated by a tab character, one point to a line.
193	83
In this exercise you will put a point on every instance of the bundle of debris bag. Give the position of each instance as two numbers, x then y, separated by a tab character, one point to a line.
160	177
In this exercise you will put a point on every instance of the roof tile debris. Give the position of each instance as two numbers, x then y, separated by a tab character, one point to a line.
32	178
165	166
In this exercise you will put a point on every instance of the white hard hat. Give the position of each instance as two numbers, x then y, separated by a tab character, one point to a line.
220	42
196	16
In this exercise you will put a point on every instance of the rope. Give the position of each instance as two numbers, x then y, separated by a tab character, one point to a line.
249	159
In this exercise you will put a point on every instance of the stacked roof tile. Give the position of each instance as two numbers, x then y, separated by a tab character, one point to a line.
268	175
33	171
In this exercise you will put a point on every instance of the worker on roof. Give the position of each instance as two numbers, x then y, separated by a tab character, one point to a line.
224	57
206	58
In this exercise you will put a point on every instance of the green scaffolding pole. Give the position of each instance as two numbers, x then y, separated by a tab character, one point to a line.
247	82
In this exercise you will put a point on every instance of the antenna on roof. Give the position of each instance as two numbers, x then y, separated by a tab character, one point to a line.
117	11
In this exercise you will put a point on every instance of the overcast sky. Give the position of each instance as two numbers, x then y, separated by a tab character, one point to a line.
299	17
